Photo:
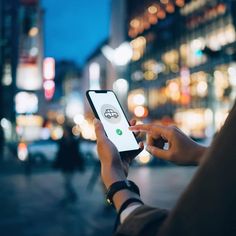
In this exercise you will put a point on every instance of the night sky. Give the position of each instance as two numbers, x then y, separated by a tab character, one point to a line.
74	28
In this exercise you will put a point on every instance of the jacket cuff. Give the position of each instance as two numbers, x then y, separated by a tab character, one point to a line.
144	220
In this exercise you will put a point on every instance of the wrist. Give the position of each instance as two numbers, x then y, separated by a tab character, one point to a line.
121	196
111	175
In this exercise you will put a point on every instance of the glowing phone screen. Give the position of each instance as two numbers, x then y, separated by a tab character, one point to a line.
114	120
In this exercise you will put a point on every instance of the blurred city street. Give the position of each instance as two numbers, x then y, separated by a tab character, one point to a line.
32	205
172	67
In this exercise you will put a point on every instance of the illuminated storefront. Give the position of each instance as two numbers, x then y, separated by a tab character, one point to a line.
182	66
29	76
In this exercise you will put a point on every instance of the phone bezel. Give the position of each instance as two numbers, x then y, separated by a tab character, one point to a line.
123	154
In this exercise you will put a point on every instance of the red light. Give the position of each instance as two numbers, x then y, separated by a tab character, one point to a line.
49	89
22	146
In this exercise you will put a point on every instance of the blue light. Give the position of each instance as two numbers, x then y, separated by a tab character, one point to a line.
198	53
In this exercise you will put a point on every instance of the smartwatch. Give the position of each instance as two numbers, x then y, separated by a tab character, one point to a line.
120	185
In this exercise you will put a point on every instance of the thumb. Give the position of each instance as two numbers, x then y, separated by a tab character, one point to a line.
158	152
99	130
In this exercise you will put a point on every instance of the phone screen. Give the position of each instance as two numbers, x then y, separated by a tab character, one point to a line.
113	119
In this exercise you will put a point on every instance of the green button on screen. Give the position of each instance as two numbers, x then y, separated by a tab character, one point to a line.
119	131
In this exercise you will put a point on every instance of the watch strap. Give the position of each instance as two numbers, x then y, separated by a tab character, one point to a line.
120	185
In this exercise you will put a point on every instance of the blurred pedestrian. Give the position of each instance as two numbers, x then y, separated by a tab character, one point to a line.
95	175
2	143
68	160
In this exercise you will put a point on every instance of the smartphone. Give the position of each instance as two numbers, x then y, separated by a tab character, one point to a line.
108	110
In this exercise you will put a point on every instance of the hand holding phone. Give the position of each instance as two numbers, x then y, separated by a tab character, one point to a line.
107	108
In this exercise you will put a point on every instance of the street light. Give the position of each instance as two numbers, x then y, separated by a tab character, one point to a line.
121	86
119	56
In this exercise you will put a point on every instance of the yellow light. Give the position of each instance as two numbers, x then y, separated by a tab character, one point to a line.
22	151
60	119
170	8
202	88
138	46
144	157
161	14
179	3
140	111
132	33
33	31
174	68
138	42
29	120
136	56
173	91
153	19
57	133
152	9
146	24
135	23
79	119
164	1
173	86
150	75
88	131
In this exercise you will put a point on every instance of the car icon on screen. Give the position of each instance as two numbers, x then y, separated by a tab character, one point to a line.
109	113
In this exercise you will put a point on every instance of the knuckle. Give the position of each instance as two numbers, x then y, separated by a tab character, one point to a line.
173	130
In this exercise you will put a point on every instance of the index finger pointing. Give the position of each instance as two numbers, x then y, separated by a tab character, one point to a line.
154	130
141	127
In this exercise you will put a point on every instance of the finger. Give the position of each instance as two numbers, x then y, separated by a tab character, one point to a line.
149	140
141	145
157	152
99	130
145	127
155	130
132	122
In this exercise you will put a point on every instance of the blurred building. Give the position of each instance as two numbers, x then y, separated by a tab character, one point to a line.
106	66
95	72
73	83
183	67
69	84
21	67
8	62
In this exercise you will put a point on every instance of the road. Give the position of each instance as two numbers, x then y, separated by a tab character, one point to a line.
32	206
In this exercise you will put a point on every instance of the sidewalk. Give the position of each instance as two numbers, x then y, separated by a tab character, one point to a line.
31	206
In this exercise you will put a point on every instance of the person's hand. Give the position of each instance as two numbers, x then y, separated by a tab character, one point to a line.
182	150
112	167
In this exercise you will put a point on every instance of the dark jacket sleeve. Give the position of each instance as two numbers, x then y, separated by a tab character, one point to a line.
208	205
144	220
